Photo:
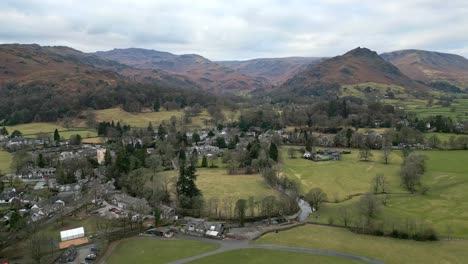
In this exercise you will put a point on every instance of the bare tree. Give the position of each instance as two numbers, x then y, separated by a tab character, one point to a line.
37	246
344	214
315	197
365	153
386	151
380	184
369	206
412	169
241	207
291	153
268	206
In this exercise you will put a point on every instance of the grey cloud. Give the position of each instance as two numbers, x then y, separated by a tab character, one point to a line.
239	29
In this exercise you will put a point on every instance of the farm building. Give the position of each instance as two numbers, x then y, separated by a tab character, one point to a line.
72	234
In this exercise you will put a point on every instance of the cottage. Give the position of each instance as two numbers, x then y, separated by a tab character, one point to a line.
201	227
8	196
161	231
167	213
128	202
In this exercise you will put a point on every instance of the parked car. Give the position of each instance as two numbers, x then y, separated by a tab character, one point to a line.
91	257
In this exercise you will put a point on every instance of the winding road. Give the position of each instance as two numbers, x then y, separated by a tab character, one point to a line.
228	245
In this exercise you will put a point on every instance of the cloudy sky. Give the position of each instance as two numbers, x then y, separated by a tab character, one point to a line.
242	29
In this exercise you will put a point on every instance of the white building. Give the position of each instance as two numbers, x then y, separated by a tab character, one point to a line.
72	234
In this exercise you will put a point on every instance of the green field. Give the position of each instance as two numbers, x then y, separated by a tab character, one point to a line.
36	128
339	179
135	119
5	161
142	119
444	206
154	251
216	183
32	130
444	137
388	250
265	256
457	111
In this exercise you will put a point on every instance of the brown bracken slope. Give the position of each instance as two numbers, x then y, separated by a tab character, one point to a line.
360	65
428	66
209	75
276	70
33	64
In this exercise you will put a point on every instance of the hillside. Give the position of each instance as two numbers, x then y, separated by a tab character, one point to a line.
357	66
48	83
33	64
428	66
275	70
209	75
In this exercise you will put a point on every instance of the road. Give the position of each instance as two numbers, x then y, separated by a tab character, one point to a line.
229	244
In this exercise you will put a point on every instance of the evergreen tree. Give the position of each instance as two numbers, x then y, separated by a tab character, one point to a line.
4	131
156	105
195	137
107	158
56	136
273	153
40	161
162	132
16	134
186	184
204	162
150	128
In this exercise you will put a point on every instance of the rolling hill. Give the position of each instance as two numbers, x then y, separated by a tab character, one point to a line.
357	66
209	75
48	83
429	66
276	70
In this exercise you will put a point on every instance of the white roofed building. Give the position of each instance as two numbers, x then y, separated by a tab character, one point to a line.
72	234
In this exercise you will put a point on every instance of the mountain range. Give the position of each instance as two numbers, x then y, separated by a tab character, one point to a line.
64	68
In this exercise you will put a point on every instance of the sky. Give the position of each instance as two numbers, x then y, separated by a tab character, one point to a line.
236	30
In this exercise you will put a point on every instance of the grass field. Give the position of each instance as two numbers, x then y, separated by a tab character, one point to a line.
35	128
444	137
5	161
134	119
31	130
216	183
142	119
265	256
444	206
339	179
388	250
147	250
457	111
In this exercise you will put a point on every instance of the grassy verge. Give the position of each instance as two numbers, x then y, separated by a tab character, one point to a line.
156	251
257	256
388	250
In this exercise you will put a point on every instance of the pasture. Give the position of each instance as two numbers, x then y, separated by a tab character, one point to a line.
388	250
5	161
134	119
457	111
150	250
259	256
216	183
143	119
443	207
33	130
340	179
